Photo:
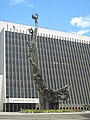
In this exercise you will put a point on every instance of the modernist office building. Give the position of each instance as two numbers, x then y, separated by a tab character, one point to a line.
63	58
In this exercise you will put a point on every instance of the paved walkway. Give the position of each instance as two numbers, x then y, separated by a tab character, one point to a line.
44	116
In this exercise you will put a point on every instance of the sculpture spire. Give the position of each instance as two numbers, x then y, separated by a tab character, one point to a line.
47	93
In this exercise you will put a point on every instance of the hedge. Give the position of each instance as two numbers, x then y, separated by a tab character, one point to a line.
49	111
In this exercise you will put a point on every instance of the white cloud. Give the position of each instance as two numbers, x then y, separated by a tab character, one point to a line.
15	2
30	5
81	32
26	3
82	22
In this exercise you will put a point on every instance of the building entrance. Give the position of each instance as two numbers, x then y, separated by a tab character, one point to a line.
16	107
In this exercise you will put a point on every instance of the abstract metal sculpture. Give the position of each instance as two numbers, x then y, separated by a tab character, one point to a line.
47	93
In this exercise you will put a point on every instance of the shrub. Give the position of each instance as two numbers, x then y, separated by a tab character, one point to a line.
49	111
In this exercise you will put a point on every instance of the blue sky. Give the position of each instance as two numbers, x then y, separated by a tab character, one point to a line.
63	15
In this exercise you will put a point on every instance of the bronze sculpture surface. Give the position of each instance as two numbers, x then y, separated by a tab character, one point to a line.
47	93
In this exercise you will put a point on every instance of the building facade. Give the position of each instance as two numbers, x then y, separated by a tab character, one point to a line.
63	58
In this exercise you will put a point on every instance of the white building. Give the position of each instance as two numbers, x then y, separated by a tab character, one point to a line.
64	58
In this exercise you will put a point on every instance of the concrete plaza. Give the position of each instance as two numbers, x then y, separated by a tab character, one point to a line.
44	116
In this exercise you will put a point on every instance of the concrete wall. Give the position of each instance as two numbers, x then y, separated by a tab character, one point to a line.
2	80
1	93
2	52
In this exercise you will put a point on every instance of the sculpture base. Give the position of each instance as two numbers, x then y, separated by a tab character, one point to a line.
45	105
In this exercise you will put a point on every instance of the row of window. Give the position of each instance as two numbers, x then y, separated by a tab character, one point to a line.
61	62
64	61
16	35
